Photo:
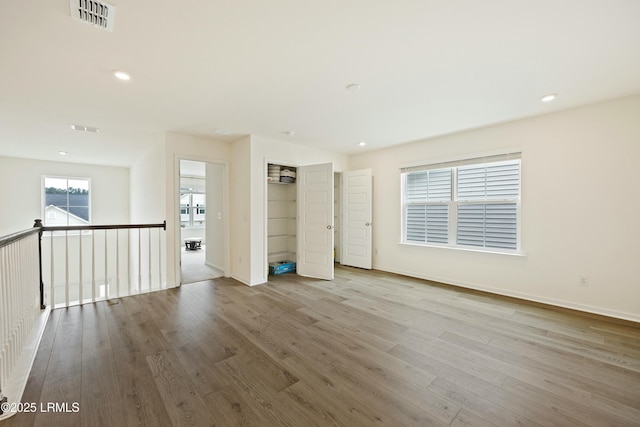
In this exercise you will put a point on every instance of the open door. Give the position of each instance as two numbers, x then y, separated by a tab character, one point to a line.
315	221
356	206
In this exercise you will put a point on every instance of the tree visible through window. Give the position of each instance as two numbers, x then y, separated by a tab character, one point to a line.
66	201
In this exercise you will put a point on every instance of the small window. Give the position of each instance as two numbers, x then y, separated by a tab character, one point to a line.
66	201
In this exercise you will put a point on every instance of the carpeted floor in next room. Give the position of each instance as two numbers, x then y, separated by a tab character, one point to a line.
194	268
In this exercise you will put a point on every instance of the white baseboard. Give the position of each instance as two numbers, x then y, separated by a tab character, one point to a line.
246	281
520	295
208	264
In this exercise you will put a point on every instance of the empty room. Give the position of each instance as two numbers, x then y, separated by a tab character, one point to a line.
320	213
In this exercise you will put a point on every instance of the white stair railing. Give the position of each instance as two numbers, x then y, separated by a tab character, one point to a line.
51	267
84	264
20	309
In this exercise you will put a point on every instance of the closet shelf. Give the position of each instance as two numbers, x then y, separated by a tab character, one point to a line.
281	218
289	254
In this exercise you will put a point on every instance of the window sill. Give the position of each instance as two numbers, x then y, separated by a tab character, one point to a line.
458	248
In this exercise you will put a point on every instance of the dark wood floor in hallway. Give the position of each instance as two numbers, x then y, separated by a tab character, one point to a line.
365	349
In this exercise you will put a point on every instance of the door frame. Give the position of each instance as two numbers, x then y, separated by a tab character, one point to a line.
343	213
177	260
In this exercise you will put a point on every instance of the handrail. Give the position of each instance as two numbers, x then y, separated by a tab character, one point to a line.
73	274
10	238
38	227
163	225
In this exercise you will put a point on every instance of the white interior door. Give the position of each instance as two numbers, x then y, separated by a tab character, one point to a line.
315	221
356	226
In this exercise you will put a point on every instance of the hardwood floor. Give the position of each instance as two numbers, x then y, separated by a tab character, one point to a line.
367	348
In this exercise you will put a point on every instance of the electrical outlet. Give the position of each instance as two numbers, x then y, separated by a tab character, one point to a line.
583	281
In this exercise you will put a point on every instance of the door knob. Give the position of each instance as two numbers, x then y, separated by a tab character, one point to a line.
329	227
367	224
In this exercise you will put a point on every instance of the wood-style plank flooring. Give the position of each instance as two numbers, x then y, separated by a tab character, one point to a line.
365	349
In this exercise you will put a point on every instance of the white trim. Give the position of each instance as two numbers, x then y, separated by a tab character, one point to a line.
520	295
246	281
43	196
175	209
492	251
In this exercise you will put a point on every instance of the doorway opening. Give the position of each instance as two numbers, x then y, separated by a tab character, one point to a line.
202	226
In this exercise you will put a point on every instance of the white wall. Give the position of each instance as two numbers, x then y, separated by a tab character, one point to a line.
215	216
148	195
580	209
263	151
240	200
21	191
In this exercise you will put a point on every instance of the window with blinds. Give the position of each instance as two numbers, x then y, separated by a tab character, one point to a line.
473	203
427	196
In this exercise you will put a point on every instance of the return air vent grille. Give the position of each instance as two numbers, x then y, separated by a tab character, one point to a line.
83	128
93	12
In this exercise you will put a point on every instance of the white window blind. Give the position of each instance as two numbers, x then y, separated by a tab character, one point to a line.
427	193
491	181
488	225
469	203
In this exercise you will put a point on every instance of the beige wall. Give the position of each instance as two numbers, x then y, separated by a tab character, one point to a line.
21	191
580	209
580	203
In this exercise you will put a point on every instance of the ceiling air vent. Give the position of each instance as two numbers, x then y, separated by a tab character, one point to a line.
83	128
93	12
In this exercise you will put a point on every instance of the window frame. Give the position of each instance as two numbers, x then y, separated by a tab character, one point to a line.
454	202
191	211
68	213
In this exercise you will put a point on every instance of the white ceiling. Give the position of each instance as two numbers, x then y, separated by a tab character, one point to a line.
426	68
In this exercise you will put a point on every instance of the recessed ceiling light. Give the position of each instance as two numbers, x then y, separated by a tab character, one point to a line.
121	75
62	153
288	132
362	143
353	87
549	98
